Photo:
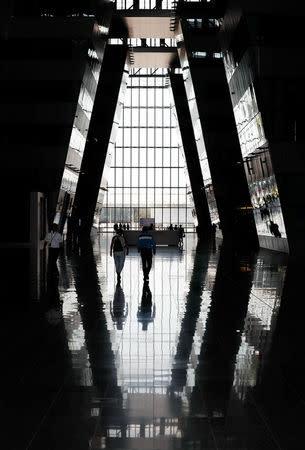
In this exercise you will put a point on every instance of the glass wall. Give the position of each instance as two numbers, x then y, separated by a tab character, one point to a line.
80	130
258	166
147	178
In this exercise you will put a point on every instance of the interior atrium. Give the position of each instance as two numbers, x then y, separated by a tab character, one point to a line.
175	128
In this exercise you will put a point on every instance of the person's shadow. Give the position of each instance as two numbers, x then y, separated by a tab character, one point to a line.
146	311
118	308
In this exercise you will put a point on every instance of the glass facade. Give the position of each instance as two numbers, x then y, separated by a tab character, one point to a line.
264	193
147	178
254	145
258	166
80	127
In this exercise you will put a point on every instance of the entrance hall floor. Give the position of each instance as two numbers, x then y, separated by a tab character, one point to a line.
207	356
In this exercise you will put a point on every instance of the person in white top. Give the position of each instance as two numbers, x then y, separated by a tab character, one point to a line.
54	241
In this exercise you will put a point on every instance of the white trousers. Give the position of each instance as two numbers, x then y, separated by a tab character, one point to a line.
119	260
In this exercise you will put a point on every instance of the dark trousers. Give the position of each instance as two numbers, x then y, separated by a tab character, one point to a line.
146	256
53	255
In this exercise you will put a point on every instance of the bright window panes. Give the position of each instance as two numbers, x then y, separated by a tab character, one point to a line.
158	197
134	158
143	181
135	136
135	177
118	177
167	157
127	161
174	157
159	137
159	177
166	137
126	194
127	117
126	181
175	198
143	119
151	117
143	134
166	117
166	177
143	157
119	157
126	134
147	177
150	195
151	136
151	158
159	117
174	177
150	177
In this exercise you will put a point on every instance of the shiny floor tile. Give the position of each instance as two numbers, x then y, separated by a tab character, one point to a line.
201	358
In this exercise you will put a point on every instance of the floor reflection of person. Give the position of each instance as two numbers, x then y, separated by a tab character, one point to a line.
147	311
53	302
118	309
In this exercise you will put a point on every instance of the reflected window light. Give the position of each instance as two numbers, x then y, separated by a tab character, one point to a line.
103	29
92	54
199	54
113	41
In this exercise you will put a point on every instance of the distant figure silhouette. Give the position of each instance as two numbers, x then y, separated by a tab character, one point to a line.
264	212
274	229
146	312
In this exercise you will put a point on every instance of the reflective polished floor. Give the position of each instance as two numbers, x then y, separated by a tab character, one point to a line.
207	356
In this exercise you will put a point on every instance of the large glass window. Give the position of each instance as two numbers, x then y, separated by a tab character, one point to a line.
147	178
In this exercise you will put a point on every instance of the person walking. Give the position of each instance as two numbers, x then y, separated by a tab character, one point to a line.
181	235
119	249
54	241
146	247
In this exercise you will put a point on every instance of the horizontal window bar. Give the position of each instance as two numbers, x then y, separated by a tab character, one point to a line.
145	127
146	107
147	87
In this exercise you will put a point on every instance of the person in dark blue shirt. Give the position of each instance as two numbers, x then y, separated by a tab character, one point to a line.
146	247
